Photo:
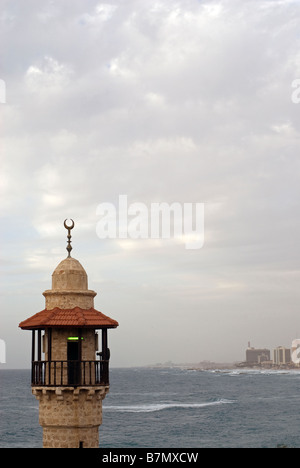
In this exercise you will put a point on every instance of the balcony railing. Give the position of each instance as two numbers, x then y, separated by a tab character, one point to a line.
69	373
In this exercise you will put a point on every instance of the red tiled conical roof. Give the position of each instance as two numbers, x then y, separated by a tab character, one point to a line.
68	318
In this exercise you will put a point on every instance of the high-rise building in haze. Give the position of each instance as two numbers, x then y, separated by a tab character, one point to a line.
281	355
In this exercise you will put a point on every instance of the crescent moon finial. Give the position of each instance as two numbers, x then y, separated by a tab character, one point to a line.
69	227
69	247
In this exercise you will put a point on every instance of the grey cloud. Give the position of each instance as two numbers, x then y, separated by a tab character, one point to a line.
167	101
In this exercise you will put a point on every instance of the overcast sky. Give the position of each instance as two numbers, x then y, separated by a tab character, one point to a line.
164	101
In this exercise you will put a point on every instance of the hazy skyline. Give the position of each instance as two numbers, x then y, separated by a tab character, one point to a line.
168	101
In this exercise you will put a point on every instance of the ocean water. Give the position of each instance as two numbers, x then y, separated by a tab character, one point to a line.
172	408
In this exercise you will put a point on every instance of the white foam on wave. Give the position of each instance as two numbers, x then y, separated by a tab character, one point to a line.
245	371
152	407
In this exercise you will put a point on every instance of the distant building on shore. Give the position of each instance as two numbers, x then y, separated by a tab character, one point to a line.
257	355
281	355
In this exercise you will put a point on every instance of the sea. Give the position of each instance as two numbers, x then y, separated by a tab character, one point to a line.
171	408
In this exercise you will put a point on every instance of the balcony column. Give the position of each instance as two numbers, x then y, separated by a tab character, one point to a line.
39	345
104	344
33	346
105	357
39	354
32	356
49	343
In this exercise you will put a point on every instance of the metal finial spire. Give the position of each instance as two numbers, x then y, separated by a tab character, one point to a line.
69	247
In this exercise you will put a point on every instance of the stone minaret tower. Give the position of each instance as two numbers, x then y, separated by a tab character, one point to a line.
69	374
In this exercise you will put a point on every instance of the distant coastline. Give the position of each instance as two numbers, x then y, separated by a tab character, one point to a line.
210	365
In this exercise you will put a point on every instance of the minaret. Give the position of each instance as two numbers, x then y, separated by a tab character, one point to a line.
69	376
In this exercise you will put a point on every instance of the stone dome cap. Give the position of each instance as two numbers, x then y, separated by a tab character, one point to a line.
69	275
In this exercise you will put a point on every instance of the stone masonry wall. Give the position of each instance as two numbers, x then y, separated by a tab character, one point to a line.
69	437
69	299
70	416
59	342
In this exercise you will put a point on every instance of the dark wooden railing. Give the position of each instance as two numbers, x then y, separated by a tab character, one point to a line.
69	373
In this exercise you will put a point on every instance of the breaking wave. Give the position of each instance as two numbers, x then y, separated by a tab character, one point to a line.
245	371
152	407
